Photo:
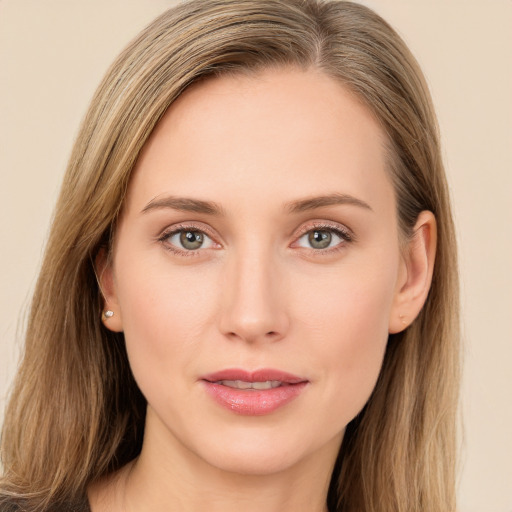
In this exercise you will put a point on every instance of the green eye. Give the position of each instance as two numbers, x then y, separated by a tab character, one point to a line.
319	239
323	238
187	240
191	240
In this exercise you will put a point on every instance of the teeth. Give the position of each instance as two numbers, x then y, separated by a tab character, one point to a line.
240	384
268	384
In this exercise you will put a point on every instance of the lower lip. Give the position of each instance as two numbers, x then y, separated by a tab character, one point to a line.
253	402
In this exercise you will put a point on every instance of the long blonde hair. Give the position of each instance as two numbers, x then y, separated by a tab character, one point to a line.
76	414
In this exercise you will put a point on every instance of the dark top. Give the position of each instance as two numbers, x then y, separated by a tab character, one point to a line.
78	506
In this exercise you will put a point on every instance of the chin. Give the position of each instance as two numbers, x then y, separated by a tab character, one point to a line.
256	460
261	453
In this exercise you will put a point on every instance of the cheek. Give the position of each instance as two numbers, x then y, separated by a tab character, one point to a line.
165	317
349	326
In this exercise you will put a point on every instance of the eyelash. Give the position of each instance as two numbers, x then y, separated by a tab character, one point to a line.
343	233
183	228
346	236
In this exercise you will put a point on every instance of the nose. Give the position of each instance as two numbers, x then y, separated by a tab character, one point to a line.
253	302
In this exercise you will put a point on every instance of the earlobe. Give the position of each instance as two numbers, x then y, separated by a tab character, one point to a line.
419	257
111	313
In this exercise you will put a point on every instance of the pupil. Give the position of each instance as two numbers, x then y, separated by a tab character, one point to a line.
191	239
320	239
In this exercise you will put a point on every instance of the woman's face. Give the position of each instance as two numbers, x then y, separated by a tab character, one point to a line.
257	248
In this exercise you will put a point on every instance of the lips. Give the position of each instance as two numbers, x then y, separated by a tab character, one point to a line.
253	393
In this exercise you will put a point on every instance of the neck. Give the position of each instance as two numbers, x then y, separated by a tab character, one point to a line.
167	477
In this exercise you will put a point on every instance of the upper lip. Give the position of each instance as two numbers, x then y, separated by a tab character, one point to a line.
262	375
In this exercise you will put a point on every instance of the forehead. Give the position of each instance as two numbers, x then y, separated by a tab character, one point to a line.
272	134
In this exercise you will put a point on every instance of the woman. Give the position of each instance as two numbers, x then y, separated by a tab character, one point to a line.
249	294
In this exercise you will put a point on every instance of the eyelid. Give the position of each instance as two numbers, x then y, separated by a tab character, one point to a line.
345	235
187	226
343	230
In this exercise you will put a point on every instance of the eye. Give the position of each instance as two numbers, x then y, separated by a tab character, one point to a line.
322	238
188	240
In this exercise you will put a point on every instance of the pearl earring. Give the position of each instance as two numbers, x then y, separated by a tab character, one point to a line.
108	313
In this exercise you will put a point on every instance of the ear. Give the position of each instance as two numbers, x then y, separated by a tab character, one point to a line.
415	275
106	282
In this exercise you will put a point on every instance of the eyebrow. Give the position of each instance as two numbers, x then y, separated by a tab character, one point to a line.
313	203
183	204
186	204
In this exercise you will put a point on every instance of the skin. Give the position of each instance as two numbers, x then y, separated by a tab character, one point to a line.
256	294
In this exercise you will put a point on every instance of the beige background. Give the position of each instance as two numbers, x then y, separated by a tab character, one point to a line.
54	52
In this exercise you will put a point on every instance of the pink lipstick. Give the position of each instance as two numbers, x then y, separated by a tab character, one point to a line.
253	393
